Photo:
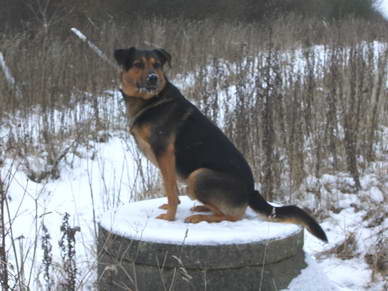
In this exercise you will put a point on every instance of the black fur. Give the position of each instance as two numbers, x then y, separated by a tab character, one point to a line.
199	144
124	57
163	55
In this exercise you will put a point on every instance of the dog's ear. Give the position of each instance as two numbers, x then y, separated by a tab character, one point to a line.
124	57
164	56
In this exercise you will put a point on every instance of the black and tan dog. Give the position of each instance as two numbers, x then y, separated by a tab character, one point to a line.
177	138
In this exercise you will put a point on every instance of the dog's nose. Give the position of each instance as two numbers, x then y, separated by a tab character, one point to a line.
152	78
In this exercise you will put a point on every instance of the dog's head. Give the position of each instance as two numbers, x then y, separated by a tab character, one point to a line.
142	74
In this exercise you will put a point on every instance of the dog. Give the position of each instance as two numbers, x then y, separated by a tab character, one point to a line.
184	144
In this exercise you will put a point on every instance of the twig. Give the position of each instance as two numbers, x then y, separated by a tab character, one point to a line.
13	245
99	52
35	242
8	76
93	205
3	256
151	44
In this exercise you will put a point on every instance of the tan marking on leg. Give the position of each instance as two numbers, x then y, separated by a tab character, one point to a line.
165	205
217	216
200	208
166	163
214	209
142	135
209	218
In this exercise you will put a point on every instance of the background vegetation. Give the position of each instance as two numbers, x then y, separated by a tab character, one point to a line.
27	14
298	115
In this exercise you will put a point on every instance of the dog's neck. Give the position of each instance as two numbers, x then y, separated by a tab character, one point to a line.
136	106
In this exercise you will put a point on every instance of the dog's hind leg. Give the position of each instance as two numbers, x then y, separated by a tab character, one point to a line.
200	208
221	193
216	216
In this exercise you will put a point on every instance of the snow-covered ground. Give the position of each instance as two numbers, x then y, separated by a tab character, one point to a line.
383	7
105	175
106	180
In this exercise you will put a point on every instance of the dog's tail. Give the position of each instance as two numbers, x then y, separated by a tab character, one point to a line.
286	214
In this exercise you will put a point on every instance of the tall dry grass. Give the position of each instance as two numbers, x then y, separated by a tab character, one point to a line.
293	109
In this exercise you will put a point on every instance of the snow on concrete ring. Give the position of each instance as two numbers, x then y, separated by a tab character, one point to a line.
215	255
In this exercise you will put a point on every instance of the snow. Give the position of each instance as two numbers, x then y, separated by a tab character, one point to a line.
8	75
78	33
108	173
376	194
352	272
311	278
137	221
346	273
6	71
383	7
104	176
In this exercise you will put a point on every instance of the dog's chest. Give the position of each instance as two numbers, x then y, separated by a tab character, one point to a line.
141	139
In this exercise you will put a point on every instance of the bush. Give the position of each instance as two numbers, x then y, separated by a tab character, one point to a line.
43	13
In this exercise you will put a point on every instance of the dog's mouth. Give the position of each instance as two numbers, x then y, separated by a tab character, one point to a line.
148	88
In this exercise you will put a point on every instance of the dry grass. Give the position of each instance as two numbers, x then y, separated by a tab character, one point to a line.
292	112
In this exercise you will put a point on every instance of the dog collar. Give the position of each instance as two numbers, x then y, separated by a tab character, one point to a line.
145	108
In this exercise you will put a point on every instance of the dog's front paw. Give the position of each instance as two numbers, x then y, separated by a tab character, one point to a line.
164	206
166	216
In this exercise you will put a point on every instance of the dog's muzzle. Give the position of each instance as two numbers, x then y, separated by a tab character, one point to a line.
151	83
152	79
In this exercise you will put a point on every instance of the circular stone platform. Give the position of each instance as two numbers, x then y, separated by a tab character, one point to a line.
138	252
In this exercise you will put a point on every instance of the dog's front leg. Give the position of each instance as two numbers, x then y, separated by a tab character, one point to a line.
166	163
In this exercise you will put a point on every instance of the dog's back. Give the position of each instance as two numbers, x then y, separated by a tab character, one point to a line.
184	143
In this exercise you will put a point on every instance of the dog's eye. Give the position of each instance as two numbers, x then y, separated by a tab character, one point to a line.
138	65
157	65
